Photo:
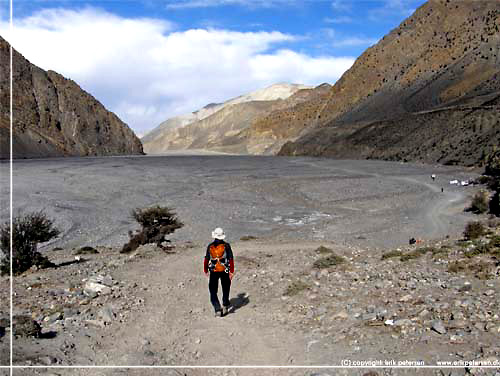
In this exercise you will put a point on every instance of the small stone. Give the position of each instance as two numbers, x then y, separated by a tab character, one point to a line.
53	318
465	287
369	316
198	341
91	288
489	292
456	339
341	315
47	360
405	298
424	313
457	315
438	326
457	324
97	323
479	326
403	322
106	314
489	327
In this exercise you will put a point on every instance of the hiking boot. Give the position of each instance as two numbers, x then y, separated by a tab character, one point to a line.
225	310
218	313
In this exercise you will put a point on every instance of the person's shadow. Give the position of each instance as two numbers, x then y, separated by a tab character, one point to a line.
240	301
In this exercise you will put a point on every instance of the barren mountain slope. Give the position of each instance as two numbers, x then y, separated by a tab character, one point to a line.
53	116
213	131
270	131
444	56
218	123
180	121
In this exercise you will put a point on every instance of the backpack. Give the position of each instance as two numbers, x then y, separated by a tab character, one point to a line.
218	261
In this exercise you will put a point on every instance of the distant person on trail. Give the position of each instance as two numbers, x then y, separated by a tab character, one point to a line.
219	264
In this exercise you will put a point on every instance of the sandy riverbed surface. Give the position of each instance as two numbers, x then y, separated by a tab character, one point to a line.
370	203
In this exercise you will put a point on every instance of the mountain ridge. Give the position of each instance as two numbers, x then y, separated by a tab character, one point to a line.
53	116
445	55
173	134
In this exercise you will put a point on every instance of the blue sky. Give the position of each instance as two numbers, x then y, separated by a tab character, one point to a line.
149	60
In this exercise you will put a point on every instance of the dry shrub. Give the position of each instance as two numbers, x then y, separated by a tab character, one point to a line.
295	287
157	222
480	203
86	251
328	261
323	250
391	254
27	231
474	230
479	269
248	237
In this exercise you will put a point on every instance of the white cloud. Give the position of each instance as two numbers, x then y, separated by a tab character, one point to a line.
307	70
338	20
341	5
146	71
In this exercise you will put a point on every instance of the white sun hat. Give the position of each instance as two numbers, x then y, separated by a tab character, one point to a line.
218	233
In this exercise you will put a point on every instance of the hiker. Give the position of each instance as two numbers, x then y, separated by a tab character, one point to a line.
220	263
433	177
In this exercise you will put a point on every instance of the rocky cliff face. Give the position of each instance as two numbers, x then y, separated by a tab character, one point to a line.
428	91
219	127
53	116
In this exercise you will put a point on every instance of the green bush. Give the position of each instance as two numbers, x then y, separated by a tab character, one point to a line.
474	230
157	222
27	232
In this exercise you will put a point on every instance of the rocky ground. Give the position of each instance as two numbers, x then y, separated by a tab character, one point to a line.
293	304
296	302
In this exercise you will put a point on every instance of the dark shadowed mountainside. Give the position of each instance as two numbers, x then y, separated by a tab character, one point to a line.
53	116
428	91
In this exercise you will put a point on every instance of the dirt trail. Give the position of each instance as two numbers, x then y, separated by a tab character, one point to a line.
177	325
439	211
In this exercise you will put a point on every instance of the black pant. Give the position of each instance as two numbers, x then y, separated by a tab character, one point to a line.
213	286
